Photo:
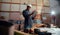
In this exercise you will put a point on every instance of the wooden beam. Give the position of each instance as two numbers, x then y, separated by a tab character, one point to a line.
9	3
11	11
46	6
17	3
45	13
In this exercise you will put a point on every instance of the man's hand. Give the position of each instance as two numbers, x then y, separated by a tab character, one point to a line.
33	11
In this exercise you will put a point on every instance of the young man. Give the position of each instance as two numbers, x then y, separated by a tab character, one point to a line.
28	18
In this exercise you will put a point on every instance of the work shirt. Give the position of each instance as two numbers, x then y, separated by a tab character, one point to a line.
28	19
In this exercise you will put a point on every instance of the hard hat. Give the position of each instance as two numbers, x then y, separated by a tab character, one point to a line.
29	5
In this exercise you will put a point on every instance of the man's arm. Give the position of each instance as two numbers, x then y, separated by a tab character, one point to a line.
27	14
31	14
34	14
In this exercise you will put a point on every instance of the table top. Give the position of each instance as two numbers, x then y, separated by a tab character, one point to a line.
50	30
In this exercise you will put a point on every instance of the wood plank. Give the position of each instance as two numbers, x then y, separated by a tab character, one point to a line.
17	3
21	32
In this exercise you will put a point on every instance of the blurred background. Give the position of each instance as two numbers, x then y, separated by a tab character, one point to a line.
48	12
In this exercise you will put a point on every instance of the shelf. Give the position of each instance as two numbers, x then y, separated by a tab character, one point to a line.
11	11
46	6
16	3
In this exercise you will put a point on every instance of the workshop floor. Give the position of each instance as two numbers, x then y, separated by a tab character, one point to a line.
22	33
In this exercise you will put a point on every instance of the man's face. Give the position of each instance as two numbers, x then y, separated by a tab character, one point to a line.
28	7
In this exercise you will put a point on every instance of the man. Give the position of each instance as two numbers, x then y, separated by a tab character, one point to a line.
28	18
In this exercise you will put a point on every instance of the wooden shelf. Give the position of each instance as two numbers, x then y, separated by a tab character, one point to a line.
46	6
9	3
11	11
16	3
